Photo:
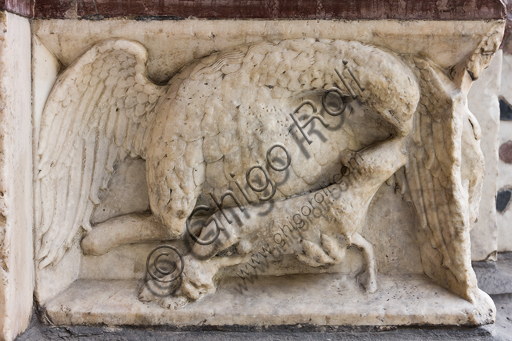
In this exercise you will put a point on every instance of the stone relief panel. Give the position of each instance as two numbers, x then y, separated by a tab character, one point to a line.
296	162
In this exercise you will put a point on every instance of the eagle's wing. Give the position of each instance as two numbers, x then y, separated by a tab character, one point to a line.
99	111
434	178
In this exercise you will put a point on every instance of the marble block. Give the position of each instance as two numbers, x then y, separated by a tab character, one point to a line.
16	205
483	102
270	172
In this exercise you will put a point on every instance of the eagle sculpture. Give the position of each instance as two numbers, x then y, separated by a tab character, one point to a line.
218	117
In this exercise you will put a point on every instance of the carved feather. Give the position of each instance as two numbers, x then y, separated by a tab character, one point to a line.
98	111
231	107
433	174
214	121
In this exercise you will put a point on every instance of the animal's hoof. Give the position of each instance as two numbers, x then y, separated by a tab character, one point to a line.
145	294
368	282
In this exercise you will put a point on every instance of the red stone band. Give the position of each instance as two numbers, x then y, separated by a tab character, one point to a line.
260	9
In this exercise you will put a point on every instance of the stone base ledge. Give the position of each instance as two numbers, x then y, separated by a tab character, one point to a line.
321	299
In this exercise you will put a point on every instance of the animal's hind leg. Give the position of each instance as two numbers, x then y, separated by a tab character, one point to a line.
369	277
127	229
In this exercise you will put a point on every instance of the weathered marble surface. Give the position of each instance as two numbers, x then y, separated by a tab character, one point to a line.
448	158
286	300
172	44
16	210
44	72
484	104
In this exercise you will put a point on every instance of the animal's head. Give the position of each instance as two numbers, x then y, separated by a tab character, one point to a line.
378	79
